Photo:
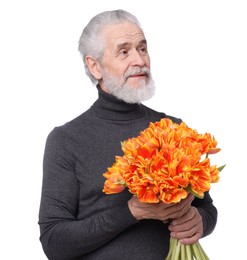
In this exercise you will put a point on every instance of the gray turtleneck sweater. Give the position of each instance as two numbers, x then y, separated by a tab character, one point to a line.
77	220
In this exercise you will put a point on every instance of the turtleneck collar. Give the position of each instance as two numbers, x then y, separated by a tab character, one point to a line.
109	107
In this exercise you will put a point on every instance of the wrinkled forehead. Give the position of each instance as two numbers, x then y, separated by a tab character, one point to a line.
126	32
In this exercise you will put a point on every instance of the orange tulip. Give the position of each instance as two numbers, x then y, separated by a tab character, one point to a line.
164	163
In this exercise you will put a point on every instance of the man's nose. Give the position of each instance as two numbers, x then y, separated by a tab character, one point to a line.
137	59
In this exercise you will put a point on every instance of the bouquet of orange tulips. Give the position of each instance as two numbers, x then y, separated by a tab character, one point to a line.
165	163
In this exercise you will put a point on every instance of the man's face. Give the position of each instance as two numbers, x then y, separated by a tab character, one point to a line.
125	64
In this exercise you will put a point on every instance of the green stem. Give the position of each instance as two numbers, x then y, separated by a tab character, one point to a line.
197	251
202	251
183	255
177	252
174	244
170	249
188	252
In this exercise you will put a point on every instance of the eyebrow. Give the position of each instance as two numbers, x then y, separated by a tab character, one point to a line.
126	44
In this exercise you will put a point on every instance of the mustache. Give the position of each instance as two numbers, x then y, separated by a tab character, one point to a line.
138	71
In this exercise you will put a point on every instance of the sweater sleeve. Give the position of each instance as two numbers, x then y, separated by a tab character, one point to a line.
63	236
208	212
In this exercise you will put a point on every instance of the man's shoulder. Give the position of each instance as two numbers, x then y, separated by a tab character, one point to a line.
159	115
71	127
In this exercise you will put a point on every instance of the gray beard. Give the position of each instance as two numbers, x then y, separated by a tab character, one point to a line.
123	91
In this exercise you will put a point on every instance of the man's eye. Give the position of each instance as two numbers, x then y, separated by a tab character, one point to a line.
123	52
143	49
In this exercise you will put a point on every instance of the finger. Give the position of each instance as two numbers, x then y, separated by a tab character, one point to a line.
184	227
190	214
178	211
190	240
188	236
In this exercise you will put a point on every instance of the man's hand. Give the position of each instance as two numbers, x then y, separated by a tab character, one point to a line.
160	211
188	228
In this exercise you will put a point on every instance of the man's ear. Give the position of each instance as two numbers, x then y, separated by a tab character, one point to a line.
94	67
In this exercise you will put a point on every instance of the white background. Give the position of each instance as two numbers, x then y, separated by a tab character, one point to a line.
199	62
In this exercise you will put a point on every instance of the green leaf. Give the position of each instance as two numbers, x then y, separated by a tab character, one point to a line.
221	167
189	189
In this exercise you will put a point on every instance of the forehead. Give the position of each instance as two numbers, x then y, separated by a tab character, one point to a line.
122	33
